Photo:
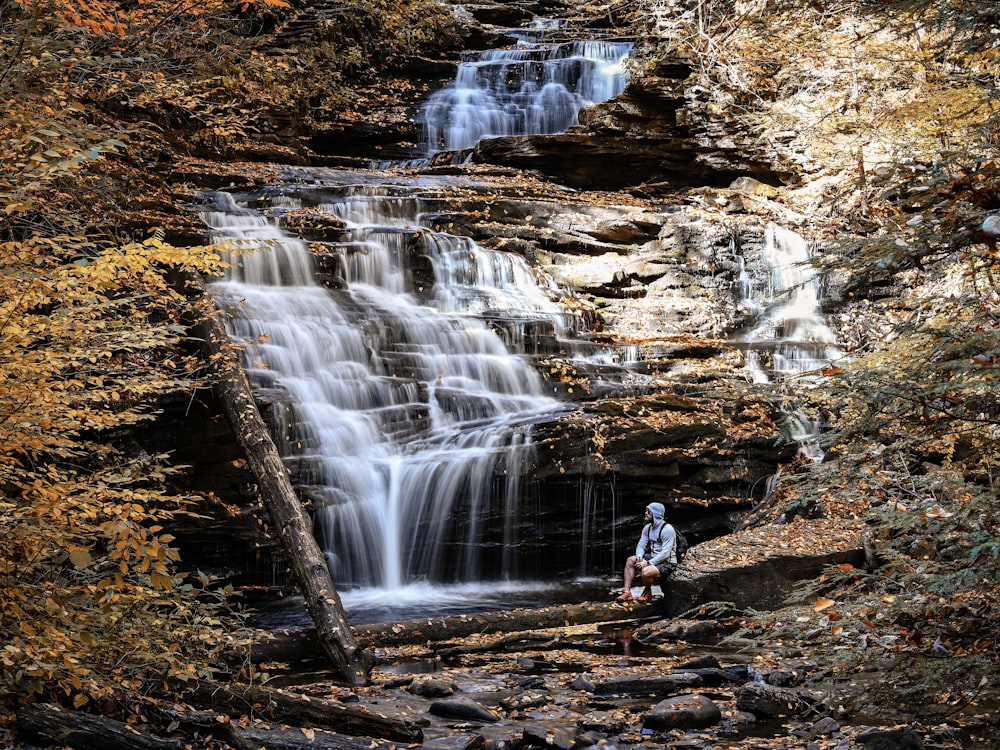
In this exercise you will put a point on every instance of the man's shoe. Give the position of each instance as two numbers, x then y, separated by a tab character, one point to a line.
646	596
626	597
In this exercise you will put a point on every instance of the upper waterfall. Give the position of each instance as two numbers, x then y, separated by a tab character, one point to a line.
531	88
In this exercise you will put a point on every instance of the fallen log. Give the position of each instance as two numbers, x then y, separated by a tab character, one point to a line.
300	645
283	738
423	630
510	642
43	724
300	710
293	524
244	733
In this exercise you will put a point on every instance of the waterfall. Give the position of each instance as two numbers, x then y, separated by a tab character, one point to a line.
790	337
532	88
401	414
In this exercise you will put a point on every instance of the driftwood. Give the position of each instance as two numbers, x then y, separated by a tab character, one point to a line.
507	621
278	738
299	710
291	520
43	724
300	644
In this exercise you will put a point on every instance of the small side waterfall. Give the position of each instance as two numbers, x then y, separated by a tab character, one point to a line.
790	338
402	414
533	88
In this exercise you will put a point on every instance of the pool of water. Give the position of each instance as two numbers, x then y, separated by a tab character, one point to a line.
372	605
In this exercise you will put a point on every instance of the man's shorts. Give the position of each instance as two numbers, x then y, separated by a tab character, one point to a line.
666	568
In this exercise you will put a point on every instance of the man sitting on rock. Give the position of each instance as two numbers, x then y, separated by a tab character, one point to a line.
658	541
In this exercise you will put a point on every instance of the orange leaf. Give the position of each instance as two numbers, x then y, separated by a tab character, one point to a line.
823	603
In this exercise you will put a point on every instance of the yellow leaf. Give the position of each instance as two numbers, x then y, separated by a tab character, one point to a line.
823	603
80	557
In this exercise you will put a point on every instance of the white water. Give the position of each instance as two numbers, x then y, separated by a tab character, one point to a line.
533	88
791	338
790	325
404	418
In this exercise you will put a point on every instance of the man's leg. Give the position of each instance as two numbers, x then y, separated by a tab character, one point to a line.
650	574
629	576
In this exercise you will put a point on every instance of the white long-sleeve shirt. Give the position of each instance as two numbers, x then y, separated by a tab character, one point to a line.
660	539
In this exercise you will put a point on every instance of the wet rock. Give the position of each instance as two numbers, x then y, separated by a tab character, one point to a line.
683	712
594	739
897	738
603	721
462	707
825	726
530	683
788	675
555	737
771	701
640	685
432	688
521	701
692	631
705	661
456	742
711	677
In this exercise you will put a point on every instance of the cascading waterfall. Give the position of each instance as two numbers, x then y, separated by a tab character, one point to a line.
532	88
403	405
791	337
403	416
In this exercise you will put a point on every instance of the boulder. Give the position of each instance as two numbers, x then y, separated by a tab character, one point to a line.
464	708
432	688
770	701
683	712
639	684
558	737
897	738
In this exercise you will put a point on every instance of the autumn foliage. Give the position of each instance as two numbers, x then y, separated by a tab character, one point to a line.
890	108
92	606
97	97
892	105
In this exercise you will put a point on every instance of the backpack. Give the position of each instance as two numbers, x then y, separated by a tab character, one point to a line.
680	543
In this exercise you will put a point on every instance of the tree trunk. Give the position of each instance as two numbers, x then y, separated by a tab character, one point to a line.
422	630
43	724
299	711
300	645
293	524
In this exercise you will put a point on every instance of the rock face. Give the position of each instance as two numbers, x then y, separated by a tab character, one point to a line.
660	407
664	129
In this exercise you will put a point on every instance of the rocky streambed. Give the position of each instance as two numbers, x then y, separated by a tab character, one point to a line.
629	679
